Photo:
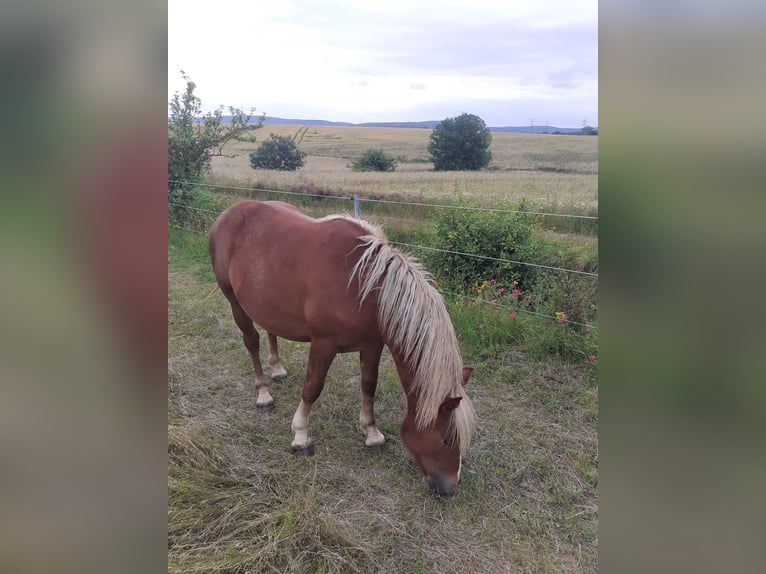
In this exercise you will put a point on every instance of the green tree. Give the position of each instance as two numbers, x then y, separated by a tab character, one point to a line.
374	160
194	138
277	152
460	143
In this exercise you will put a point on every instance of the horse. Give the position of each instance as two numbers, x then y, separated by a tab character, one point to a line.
336	283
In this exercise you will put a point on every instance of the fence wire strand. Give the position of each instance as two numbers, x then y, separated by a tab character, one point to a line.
484	257
390	201
527	311
488	258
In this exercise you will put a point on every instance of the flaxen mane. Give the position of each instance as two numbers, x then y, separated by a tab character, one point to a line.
411	312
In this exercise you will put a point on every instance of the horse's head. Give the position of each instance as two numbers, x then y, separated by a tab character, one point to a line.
434	447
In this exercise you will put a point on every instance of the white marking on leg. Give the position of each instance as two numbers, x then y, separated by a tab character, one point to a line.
300	426
264	398
367	423
374	436
459	467
277	370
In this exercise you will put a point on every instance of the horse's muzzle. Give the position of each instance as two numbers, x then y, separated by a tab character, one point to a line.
440	484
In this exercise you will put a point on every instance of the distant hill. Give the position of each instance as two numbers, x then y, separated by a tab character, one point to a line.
426	125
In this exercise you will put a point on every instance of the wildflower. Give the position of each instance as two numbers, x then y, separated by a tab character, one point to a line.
512	315
587	335
502	289
514	283
561	317
579	265
516	292
591	358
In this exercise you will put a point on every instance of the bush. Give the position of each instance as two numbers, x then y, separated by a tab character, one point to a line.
277	152
374	160
193	207
496	235
194	137
460	143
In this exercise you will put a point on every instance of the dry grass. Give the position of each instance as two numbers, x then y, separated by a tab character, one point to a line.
240	502
555	170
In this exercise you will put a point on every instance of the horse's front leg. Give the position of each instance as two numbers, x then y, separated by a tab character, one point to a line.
321	355
369	360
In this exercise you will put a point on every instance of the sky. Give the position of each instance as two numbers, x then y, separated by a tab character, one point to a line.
510	62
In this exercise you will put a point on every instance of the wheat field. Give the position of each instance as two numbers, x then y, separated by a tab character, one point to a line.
554	171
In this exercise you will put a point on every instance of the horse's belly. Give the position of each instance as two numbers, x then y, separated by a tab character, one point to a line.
281	322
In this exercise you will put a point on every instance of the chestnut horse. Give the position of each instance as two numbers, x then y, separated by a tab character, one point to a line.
336	282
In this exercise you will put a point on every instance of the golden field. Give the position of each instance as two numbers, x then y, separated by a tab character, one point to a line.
549	170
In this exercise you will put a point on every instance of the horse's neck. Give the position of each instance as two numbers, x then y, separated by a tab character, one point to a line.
406	377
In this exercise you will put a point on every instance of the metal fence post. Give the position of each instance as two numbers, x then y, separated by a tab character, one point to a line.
356	206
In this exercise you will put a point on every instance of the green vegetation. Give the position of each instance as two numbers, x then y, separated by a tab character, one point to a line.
460	143
374	160
194	138
278	152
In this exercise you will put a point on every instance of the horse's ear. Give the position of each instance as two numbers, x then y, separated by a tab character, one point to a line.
467	374
449	405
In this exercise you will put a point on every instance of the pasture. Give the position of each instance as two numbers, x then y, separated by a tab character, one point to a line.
239	501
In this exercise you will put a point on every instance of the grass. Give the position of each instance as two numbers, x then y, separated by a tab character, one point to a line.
239	501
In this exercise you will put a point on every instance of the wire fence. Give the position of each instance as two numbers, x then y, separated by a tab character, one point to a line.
392	202
549	268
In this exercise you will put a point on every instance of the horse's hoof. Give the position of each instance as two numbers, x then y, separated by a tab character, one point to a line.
303	450
267	408
279	378
377	448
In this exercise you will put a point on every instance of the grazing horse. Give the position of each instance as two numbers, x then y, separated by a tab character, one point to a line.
336	282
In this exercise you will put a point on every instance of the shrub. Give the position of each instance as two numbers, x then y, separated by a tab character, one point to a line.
194	137
277	152
494	235
374	160
460	143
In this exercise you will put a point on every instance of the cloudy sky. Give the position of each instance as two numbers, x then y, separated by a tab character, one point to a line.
511	62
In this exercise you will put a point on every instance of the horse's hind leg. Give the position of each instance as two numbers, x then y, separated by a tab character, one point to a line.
369	360
250	336
278	372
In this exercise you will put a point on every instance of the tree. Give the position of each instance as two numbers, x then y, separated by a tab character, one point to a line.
460	143
194	138
373	160
277	152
